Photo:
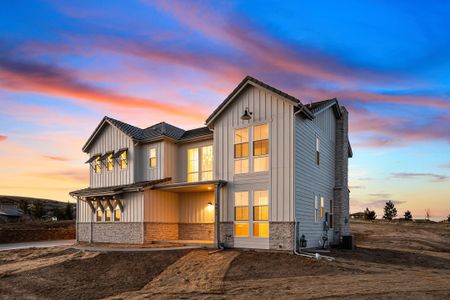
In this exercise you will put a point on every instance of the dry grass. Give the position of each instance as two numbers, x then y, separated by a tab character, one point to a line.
392	261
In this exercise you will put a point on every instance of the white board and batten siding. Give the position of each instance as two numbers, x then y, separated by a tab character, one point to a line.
143	171
133	207
111	139
270	108
306	131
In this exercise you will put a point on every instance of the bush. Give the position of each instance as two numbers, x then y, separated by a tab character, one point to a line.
408	216
369	215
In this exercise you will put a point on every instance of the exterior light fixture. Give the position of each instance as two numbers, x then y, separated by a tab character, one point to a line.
209	188
247	115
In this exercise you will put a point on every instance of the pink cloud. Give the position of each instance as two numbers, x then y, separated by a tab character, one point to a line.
3	138
56	158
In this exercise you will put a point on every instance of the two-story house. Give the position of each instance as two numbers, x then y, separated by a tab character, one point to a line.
266	172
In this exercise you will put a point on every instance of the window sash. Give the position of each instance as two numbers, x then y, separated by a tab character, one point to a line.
261	147
207	163
99	215
241	229
261	229
241	166
322	208
193	164
241	213
123	160
97	166
117	214
241	150
110	163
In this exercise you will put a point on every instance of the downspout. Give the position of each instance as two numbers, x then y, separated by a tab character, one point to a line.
219	245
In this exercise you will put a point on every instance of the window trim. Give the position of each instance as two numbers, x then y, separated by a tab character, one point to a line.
317	150
123	158
97	163
251	217
200	172
315	208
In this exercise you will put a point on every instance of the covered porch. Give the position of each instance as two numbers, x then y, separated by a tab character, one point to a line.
184	213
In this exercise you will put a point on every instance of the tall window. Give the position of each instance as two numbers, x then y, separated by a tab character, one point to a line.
316	209
261	213
322	208
317	150
117	213
241	151
241	214
152	158
99	214
109	162
107	214
123	160
331	214
261	148
97	165
192	165
207	163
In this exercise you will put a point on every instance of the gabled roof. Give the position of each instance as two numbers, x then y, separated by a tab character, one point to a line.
320	106
154	132
250	80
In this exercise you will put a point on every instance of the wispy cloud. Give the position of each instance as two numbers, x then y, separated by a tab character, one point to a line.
380	195
445	166
354	187
430	176
3	138
25	75
56	158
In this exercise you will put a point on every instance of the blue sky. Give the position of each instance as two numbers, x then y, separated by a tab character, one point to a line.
64	65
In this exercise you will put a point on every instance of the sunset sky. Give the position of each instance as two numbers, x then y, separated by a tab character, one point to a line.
63	66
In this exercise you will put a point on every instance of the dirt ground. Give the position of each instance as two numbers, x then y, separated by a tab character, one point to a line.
392	261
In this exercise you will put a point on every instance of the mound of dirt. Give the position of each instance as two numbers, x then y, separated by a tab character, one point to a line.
103	275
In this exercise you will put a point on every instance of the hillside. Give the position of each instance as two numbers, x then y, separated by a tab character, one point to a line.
16	200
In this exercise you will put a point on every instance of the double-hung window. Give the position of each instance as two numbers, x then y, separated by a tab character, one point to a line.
152	161
317	150
316	209
193	165
97	165
207	163
109	162
117	213
123	160
241	214
261	213
107	214
241	151
261	148
322	208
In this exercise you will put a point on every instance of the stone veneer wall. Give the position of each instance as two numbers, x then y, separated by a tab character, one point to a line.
83	232
160	231
196	231
341	193
111	232
226	234
281	236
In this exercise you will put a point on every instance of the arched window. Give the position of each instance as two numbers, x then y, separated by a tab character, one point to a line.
107	215
99	214
117	213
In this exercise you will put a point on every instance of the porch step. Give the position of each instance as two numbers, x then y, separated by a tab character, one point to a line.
199	243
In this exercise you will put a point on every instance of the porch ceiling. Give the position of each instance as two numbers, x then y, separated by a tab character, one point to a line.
186	187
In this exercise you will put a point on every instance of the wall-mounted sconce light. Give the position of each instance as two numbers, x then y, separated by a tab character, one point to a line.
247	115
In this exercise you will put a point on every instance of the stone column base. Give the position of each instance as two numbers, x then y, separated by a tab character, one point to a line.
281	236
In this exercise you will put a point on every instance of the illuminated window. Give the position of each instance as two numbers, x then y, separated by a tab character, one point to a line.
107	214
152	158
241	214
99	214
261	213
261	148
322	208
317	151
123	160
331	214
241	151
316	209
97	165
193	165
207	163
109	162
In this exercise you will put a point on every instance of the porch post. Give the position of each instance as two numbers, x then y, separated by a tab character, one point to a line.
217	214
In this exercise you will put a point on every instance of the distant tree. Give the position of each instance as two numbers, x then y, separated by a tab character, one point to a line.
60	214
38	209
427	214
390	211
448	218
24	206
68	211
369	214
408	216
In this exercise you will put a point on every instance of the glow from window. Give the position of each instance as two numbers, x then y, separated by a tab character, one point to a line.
193	165
123	160
152	158
207	163
241	151
261	148
97	165
99	215
109	162
241	214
